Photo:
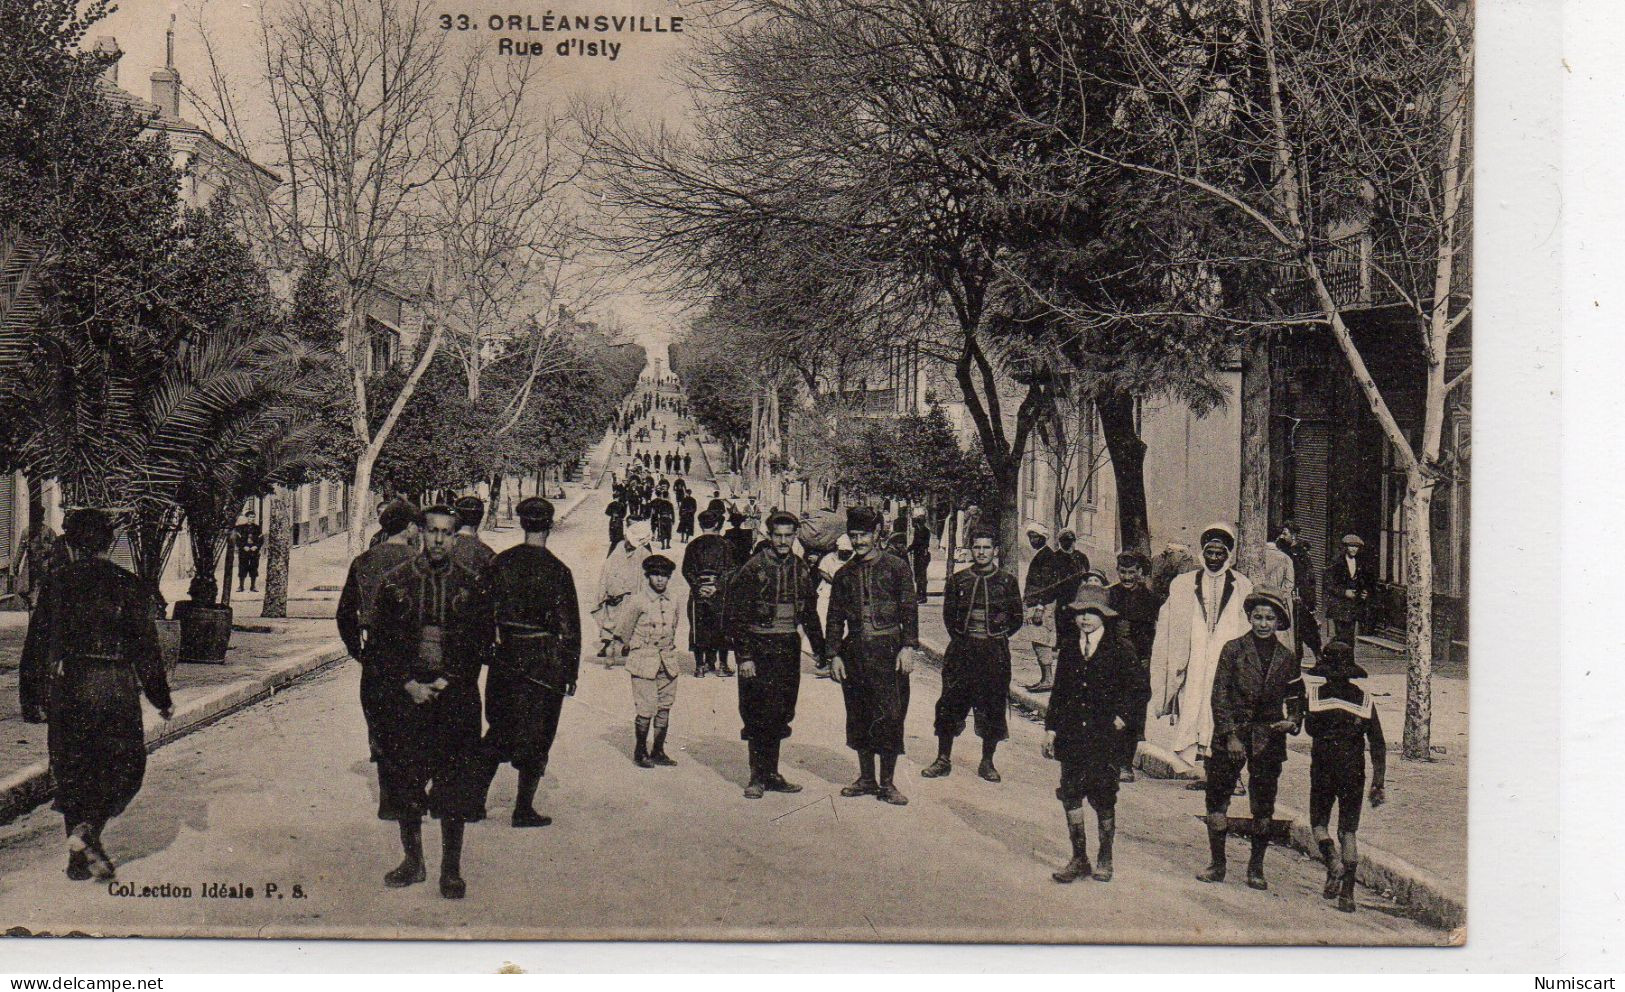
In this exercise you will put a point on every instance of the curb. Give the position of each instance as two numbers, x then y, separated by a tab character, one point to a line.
1419	891
30	786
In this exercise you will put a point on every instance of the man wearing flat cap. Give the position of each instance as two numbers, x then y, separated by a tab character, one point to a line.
645	629
1348	587
1047	589
399	524
871	637
432	622
468	548
536	659
1202	614
1258	698
1088	715
771	599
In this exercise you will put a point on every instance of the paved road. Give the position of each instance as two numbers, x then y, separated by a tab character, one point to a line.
283	794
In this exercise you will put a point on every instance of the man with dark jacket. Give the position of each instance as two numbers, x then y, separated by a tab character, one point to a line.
919	553
399	523
1048	576
871	637
90	653
1258	698
1137	607
616	512
1083	728
662	515
981	607
537	657
687	507
433	626
1303	586
770	600
468	548
706	563
1349	584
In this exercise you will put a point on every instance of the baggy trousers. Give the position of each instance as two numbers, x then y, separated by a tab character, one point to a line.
429	754
975	677
876	694
767	702
1265	753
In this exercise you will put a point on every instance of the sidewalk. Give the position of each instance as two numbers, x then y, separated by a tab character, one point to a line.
1426	813
265	655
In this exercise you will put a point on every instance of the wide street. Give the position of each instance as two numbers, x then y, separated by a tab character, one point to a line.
282	794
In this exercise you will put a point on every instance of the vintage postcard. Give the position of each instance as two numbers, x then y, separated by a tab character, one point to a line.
771	470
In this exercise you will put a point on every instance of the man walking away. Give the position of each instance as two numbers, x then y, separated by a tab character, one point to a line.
1342	721
919	549
468	549
537	656
981	607
90	653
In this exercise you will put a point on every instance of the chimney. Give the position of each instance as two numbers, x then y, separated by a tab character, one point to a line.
107	45
166	82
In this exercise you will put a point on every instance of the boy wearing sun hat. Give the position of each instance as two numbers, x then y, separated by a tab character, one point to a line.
1342	721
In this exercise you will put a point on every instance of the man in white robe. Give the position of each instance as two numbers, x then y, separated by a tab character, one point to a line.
1203	612
622	576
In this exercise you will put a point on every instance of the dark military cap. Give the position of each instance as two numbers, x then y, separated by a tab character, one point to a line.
710	519
439	510
1133	559
782	519
470	510
862	518
397	514
535	513
658	565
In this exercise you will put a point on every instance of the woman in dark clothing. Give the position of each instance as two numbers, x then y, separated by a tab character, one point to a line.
91	650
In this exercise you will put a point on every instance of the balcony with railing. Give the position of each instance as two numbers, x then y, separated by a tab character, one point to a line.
1359	275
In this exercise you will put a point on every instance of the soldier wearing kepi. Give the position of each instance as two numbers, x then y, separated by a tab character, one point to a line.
706	563
981	607
468	548
399	523
871	638
537	657
1258	698
770	599
433	626
90	652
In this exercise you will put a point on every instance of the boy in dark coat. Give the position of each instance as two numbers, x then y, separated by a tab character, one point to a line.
981	607
1257	701
706	563
871	635
1342	721
90	653
1083	729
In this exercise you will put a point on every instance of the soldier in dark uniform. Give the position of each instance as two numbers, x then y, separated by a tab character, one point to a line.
688	463
981	606
616	512
537	656
250	538
90	653
871	638
1083	728
706	564
1137	607
768	599
1258	698
687	507
399	523
742	539
662	515
919	552
1342	721
468	548
433	625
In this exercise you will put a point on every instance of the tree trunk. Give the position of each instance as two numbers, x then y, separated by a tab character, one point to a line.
1418	617
953	534
1254	510
230	557
493	507
278	548
1128	470
1008	487
36	503
360	497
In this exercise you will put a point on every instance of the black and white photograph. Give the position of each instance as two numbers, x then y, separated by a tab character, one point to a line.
865	471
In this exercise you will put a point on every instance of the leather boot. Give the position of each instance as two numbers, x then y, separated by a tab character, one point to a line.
865	783
657	752
101	866
1108	833
1328	854
756	787
1345	897
986	769
944	765
888	789
723	669
1078	867
640	752
524	803
1255	864
770	770
1216	860
1046	678
452	885
410	870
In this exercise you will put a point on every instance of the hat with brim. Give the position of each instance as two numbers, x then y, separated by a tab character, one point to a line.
1337	661
1034	527
1352	541
1093	599
1283	615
